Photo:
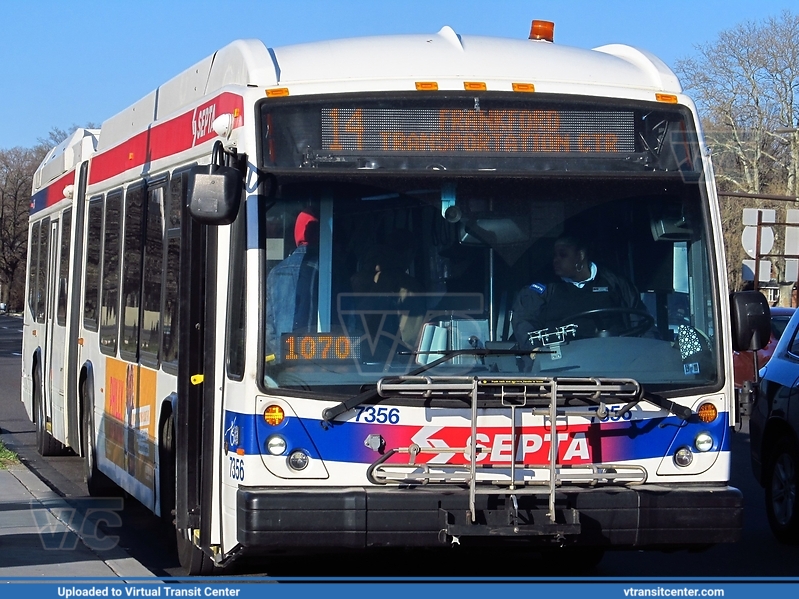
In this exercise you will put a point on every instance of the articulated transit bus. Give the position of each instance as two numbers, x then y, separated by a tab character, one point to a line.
281	298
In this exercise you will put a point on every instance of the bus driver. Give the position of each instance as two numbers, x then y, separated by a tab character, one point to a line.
595	300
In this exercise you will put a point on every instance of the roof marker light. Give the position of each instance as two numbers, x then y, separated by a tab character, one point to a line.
523	87
668	98
543	31
426	86
278	92
474	86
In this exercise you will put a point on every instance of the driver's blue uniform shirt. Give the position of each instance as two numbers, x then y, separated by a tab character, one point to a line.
545	306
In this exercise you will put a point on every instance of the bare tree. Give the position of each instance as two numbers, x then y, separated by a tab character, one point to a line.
745	85
733	90
17	166
781	65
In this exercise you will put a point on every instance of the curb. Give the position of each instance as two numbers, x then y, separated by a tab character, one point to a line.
116	558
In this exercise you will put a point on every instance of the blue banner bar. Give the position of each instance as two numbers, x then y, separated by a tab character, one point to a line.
274	588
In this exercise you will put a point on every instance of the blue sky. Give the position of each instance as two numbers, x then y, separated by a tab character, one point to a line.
66	63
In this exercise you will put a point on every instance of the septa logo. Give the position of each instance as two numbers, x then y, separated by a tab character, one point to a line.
203	119
497	445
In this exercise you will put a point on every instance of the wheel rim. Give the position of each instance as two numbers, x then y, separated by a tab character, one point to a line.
783	489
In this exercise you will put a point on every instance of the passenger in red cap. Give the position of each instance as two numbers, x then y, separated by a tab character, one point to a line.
306	229
292	287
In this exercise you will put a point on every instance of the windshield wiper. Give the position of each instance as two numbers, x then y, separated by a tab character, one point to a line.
330	413
681	412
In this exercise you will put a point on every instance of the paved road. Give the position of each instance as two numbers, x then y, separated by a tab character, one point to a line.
145	538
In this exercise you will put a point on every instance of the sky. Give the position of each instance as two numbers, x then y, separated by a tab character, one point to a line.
70	63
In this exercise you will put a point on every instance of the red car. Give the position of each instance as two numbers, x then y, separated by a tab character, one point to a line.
742	363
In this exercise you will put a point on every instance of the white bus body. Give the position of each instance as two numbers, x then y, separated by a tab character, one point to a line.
458	160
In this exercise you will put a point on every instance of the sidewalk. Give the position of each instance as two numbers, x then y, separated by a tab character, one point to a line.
44	535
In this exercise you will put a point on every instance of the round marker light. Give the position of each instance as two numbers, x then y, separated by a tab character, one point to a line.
298	460
707	413
274	415
703	442
683	457
276	445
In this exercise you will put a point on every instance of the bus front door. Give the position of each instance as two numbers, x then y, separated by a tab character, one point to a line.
53	350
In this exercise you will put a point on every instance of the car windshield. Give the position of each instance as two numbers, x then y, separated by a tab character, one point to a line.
367	281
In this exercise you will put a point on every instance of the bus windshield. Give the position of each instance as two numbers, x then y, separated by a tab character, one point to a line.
404	230
374	277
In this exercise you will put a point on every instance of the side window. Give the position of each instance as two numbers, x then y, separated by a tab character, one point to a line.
44	259
237	292
94	237
149	340
33	274
169	347
131	278
109	293
63	267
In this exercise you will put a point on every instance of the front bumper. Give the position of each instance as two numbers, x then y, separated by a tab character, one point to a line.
270	518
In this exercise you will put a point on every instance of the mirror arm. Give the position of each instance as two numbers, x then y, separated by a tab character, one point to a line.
222	157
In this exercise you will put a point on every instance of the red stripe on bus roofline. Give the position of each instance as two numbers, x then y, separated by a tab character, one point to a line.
53	193
129	154
166	139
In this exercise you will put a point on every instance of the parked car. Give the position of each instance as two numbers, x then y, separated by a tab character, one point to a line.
743	362
774	434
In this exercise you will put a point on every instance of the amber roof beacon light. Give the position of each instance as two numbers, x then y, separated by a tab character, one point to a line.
543	31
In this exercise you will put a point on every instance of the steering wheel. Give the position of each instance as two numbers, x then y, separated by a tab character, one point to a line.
646	321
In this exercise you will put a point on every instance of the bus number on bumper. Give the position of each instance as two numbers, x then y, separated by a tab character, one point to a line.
236	468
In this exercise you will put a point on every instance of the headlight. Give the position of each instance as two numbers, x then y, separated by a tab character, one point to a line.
703	442
298	460
276	445
683	457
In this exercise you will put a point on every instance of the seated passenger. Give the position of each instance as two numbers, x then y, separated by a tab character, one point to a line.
581	286
292	287
384	271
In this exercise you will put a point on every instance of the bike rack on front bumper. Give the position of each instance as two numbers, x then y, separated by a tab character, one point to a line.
546	397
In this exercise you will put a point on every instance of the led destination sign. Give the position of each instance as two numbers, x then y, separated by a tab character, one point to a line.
319	347
456	131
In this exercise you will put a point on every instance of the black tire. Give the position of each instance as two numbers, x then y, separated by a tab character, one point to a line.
45	443
97	483
781	491
193	560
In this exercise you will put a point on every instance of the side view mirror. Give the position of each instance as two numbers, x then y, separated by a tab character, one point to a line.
214	193
751	321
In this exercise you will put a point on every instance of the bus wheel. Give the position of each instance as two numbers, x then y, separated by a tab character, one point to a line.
193	560
97	483
781	491
45	443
